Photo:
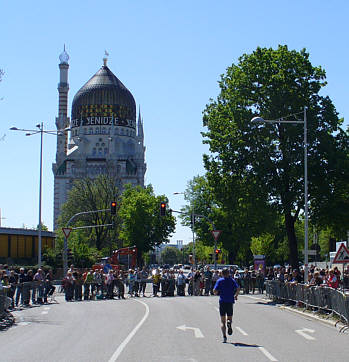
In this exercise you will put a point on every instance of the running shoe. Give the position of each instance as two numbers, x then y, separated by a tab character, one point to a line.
230	330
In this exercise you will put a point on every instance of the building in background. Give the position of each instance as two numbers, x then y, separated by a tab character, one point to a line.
104	136
22	244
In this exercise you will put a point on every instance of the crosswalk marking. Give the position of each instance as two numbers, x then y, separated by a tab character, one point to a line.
267	354
241	331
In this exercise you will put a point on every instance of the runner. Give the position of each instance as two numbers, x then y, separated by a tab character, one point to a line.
228	291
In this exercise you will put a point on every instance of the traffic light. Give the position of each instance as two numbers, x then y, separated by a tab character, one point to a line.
162	208
113	207
216	252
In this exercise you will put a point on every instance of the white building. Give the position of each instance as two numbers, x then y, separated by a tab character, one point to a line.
103	138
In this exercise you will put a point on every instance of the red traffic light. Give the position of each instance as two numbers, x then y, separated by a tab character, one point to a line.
113	207
217	251
162	208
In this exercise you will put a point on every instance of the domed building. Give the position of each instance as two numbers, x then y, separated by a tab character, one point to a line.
104	136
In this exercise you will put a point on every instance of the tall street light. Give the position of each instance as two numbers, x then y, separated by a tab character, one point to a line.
282	120
193	225
30	132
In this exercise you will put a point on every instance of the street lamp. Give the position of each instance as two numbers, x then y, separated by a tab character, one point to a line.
282	120
30	132
193	225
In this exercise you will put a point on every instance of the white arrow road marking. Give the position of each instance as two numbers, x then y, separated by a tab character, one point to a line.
267	354
303	332
241	331
44	312
197	332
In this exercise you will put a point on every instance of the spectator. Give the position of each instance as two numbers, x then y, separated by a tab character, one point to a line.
156	281
181	284
49	287
22	277
143	284
332	280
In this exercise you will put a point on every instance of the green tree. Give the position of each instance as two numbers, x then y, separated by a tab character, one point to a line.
171	255
142	224
252	166
88	195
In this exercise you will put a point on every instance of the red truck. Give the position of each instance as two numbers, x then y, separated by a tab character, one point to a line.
124	258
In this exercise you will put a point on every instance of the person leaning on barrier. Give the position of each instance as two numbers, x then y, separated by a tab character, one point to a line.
13	283
68	285
49	287
39	280
156	278
332	280
180	282
88	285
143	284
22	277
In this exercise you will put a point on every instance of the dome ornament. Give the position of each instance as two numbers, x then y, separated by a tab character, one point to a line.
64	57
105	59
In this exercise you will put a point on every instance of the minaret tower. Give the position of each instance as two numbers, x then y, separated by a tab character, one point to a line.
62	121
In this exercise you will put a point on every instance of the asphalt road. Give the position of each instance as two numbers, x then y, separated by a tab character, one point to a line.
168	330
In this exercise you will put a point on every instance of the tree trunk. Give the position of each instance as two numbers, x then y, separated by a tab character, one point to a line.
292	240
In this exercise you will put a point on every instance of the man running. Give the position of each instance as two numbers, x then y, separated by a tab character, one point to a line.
228	291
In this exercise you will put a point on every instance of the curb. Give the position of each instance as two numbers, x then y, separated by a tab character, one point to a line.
337	324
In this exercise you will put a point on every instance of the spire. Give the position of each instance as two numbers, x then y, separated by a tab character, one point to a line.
140	125
105	59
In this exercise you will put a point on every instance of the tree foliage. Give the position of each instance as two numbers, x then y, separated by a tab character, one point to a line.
171	255
88	195
257	169
141	223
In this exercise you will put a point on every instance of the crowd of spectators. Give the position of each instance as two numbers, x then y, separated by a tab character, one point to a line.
28	287
109	284
320	277
25	288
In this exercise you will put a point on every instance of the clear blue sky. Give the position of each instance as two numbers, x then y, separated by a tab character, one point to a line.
169	54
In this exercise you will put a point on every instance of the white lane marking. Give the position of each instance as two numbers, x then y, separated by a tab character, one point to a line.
267	354
241	331
117	353
197	331
302	332
44	312
47	308
216	308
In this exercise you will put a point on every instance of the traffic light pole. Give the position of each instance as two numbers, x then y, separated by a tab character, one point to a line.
193	215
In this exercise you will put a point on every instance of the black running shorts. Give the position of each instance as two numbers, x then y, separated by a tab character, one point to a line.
225	309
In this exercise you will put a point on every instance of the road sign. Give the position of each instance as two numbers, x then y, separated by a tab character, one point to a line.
216	234
342	255
66	232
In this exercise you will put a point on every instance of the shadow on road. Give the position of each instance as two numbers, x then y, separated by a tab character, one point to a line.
239	344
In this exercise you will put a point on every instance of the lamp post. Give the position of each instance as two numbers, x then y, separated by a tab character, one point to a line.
30	132
304	122
192	216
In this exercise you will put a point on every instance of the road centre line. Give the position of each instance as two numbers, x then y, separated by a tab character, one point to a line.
124	343
267	354
241	331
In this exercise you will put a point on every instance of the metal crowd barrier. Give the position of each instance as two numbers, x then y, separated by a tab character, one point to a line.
319	297
5	301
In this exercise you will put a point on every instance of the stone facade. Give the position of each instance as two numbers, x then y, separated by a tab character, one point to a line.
103	136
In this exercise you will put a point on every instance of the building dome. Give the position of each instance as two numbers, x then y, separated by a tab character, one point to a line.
103	100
